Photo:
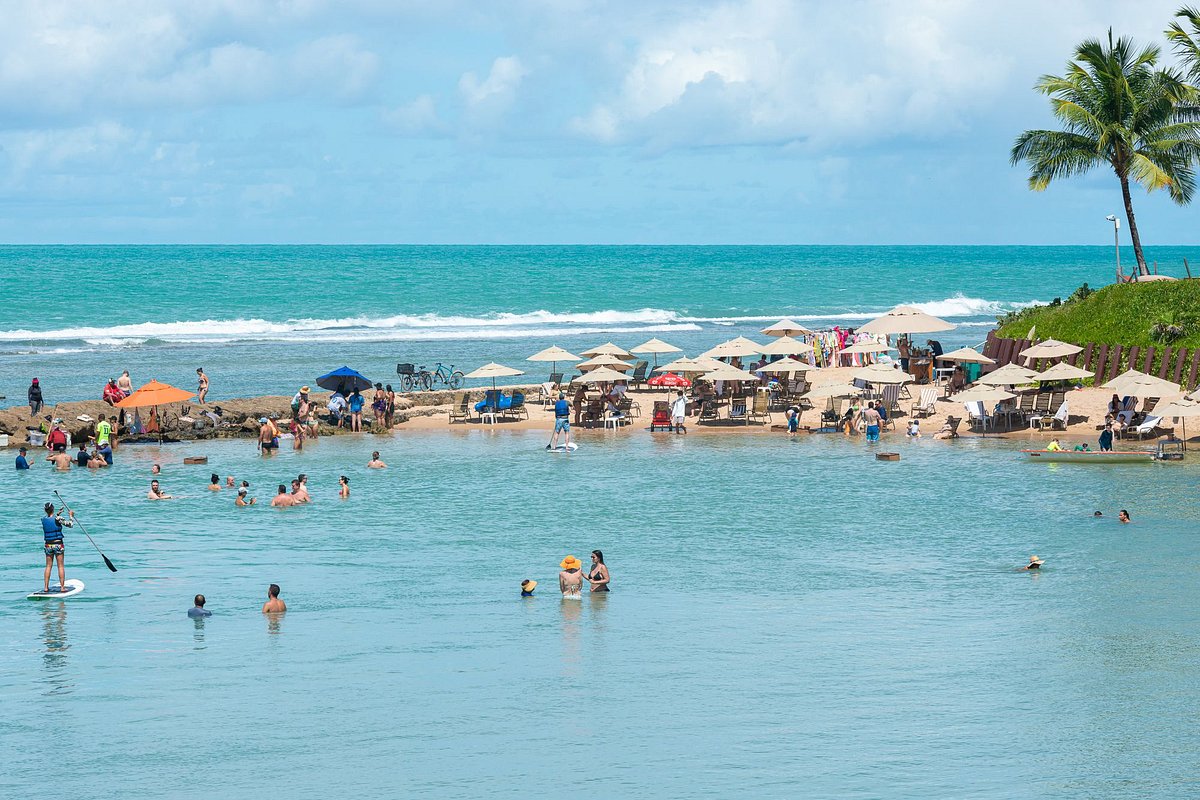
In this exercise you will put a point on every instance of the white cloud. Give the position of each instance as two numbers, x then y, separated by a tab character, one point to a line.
498	89
418	118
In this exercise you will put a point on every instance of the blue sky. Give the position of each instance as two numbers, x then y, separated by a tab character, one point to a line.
572	121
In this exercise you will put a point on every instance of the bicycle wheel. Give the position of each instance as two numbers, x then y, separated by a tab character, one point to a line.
406	383
426	381
456	380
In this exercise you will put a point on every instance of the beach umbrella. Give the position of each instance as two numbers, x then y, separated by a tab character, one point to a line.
607	349
1051	348
787	365
785	346
865	348
880	373
1063	371
729	373
493	371
1132	383
966	355
1179	408
1009	375
600	375
553	354
988	395
669	381
682	366
785	327
155	393
343	379
654	347
735	348
906	319
604	361
832	390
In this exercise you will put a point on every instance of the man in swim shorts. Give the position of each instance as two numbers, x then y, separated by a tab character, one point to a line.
273	605
679	412
268	436
562	421
872	420
282	499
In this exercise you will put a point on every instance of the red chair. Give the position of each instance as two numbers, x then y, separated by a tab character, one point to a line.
661	420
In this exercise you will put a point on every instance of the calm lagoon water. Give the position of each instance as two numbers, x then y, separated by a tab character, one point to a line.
788	619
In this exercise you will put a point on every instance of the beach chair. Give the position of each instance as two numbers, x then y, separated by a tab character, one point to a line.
977	415
891	398
515	407
950	429
555	378
1059	420
460	410
660	418
738	410
1025	405
1144	412
1150	426
927	404
628	409
1041	408
957	382
638	378
760	410
593	411
708	410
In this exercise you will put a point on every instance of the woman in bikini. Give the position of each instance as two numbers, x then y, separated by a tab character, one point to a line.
598	575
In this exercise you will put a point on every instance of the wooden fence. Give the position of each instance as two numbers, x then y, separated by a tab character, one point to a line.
1107	361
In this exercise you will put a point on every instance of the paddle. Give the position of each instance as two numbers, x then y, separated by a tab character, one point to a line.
107	563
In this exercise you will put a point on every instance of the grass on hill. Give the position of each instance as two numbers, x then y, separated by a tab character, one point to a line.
1154	313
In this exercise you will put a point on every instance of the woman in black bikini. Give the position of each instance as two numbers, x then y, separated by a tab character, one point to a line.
598	575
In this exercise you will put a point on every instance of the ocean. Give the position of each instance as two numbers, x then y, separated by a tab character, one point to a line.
264	319
787	619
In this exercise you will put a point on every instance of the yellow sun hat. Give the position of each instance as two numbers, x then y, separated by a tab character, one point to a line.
528	585
570	562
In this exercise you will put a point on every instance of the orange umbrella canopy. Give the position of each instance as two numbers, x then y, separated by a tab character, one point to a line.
155	394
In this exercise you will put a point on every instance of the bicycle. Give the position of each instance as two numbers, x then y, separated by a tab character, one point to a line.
411	378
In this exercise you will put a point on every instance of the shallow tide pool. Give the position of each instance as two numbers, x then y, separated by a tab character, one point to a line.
788	619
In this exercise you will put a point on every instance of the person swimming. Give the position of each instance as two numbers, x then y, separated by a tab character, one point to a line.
243	498
527	587
198	610
214	484
1034	563
1123	517
273	605
344	487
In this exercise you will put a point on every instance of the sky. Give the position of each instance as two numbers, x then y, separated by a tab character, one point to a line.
415	121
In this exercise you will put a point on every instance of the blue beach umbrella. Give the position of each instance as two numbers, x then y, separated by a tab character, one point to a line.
343	380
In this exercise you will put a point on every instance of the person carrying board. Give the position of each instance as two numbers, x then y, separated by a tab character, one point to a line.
52	532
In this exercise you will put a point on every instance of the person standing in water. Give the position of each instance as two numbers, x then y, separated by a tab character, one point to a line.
198	610
1123	517
202	388
273	605
343	487
562	422
52	544
598	575
570	580
1034	563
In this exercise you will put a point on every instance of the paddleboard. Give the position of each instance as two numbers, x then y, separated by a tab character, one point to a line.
564	448
73	587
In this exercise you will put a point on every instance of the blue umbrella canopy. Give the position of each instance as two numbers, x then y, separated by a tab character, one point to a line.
343	380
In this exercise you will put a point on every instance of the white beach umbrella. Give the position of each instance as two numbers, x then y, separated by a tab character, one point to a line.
787	365
493	371
553	354
866	348
607	349
1180	408
1138	384
832	390
785	346
655	347
966	355
785	327
1051	348
601	375
880	373
1062	371
682	366
735	348
604	361
729	373
1009	375
906	319
984	394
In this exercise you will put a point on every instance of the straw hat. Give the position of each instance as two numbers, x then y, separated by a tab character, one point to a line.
571	562
528	585
1036	560
304	390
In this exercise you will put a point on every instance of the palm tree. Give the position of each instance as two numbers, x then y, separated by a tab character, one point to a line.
1117	108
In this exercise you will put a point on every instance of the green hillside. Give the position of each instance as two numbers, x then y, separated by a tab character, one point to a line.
1152	313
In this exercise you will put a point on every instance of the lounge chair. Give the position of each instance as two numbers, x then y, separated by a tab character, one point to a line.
708	410
1150	426
738	410
628	409
957	382
490	402
661	416
460	410
638	377
515	406
891	398
950	428
760	410
593	411
555	378
927	405
977	415
1060	418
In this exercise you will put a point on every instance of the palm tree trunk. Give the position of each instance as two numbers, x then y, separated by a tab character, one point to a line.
1133	231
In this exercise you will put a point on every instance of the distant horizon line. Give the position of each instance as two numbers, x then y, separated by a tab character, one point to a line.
562	244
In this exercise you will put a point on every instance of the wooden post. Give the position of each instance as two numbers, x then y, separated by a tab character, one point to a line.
1086	363
1187	269
1192	373
1101	360
1181	356
1148	362
1114	362
1134	352
1166	363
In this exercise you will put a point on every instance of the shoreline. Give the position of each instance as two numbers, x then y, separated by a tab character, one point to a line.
430	411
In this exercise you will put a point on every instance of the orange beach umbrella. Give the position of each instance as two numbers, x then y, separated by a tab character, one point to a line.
155	394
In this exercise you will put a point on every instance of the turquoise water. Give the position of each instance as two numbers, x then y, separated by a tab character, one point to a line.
264	319
788	618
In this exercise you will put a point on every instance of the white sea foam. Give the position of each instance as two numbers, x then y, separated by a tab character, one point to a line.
408	327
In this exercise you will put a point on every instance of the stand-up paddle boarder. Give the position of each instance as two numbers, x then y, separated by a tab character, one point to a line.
52	532
562	422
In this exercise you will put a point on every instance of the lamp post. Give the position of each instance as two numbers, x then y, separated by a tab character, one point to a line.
1117	242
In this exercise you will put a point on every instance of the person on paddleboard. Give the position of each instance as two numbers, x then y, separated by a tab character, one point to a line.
562	422
52	533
